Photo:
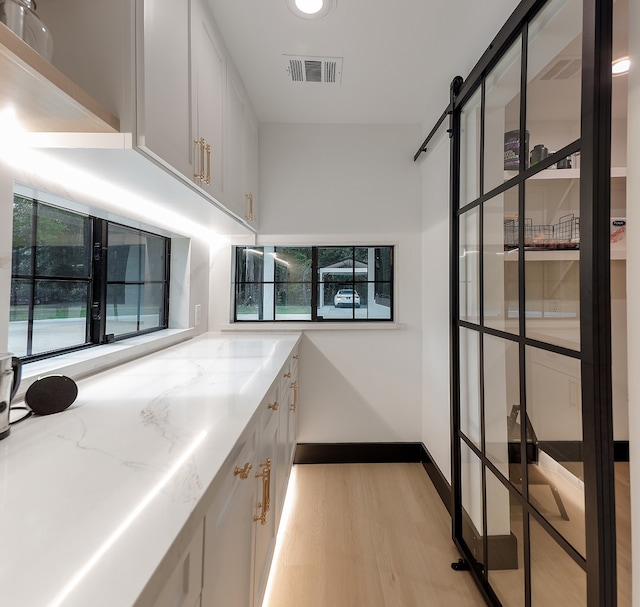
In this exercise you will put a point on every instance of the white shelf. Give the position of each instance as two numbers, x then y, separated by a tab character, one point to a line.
46	99
616	172
562	255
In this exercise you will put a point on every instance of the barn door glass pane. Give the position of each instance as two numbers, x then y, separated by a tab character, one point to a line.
502	119
470	384
505	544
554	427
552	258
501	260
556	579
554	70
502	403
470	140
470	266
472	513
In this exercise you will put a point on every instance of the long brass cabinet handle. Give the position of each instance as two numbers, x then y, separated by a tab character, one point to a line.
273	406
249	197
200	174
208	150
265	503
243	473
294	406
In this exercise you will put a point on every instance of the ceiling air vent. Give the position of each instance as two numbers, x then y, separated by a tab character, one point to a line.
314	69
563	68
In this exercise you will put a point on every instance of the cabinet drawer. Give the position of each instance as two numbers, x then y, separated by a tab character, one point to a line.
182	588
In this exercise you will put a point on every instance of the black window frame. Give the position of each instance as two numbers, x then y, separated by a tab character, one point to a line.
97	248
385	297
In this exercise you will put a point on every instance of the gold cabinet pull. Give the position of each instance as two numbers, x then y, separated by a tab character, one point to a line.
273	406
208	179
296	356
249	197
287	375
294	405
243	473
265	503
200	175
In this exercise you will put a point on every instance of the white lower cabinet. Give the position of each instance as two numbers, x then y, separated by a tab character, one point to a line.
241	523
287	438
269	495
228	544
183	585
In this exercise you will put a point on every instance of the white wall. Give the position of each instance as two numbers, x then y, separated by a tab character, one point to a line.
436	431
633	284
351	184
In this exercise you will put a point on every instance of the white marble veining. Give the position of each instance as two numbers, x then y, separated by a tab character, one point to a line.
92	498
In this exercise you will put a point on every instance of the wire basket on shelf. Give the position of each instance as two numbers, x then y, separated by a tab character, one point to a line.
562	235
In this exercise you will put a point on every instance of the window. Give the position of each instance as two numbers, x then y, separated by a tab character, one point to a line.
78	280
313	283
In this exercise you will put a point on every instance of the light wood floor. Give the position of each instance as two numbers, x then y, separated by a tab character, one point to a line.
366	535
378	535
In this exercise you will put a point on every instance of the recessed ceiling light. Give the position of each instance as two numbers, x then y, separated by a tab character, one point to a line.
311	9
620	66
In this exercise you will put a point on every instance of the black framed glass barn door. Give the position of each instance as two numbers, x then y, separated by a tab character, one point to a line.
532	440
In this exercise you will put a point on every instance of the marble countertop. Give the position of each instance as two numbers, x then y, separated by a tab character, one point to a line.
92	498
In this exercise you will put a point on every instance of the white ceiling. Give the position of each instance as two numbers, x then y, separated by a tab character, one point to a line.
399	56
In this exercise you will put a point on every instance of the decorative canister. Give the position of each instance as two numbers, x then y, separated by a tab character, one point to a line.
512	150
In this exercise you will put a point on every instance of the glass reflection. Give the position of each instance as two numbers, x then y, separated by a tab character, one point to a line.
505	544
62	243
59	315
556	579
501	401
470	384
18	317
470	138
554	425
500	262
293	301
22	254
502	118
470	266
554	77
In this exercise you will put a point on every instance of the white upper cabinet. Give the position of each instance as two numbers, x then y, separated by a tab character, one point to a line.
209	75
164	88
242	150
162	69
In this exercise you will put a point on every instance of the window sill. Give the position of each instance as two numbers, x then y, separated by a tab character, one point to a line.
88	361
280	327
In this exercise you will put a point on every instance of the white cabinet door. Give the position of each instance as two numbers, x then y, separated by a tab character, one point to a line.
182	588
251	167
284	449
209	84
234	196
242	150
292	434
229	529
267	502
164	88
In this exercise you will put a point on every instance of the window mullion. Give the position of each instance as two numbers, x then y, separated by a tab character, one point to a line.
34	244
99	271
314	284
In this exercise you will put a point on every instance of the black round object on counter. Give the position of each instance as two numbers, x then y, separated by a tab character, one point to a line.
51	394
